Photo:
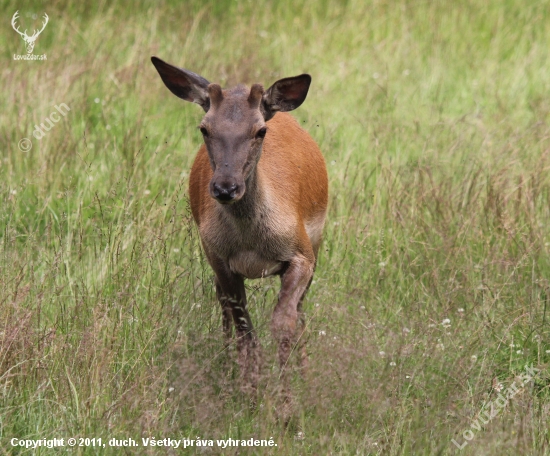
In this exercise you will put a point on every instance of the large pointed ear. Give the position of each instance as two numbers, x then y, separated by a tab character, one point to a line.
285	95
183	83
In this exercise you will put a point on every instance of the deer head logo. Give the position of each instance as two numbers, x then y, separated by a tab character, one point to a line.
29	40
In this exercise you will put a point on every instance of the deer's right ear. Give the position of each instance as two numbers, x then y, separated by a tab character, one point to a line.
183	83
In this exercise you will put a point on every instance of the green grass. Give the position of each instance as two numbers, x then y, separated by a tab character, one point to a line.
434	121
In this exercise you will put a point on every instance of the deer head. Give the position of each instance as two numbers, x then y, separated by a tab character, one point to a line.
234	126
29	40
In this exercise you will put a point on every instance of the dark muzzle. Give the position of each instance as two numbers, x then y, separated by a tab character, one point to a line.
224	192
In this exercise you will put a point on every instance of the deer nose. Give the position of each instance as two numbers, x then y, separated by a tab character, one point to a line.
225	192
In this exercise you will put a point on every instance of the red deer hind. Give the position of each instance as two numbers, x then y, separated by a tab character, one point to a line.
258	191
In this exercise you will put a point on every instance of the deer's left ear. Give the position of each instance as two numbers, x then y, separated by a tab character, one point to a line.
285	95
183	83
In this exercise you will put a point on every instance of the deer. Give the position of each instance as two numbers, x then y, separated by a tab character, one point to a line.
258	192
29	40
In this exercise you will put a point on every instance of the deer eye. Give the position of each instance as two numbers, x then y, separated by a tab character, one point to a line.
204	131
261	133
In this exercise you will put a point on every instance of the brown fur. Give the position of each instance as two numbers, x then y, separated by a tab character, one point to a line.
259	199
293	185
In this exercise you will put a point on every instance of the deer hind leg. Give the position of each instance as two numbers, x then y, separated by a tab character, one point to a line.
294	283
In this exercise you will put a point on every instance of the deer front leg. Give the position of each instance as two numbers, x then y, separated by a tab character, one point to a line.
227	313
232	297
294	283
301	334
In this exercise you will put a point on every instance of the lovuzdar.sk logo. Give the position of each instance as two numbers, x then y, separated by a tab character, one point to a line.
29	39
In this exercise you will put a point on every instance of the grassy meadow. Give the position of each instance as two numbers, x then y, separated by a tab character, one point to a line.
432	287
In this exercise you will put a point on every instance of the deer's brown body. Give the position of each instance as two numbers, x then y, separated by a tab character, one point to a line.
281	216
258	191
